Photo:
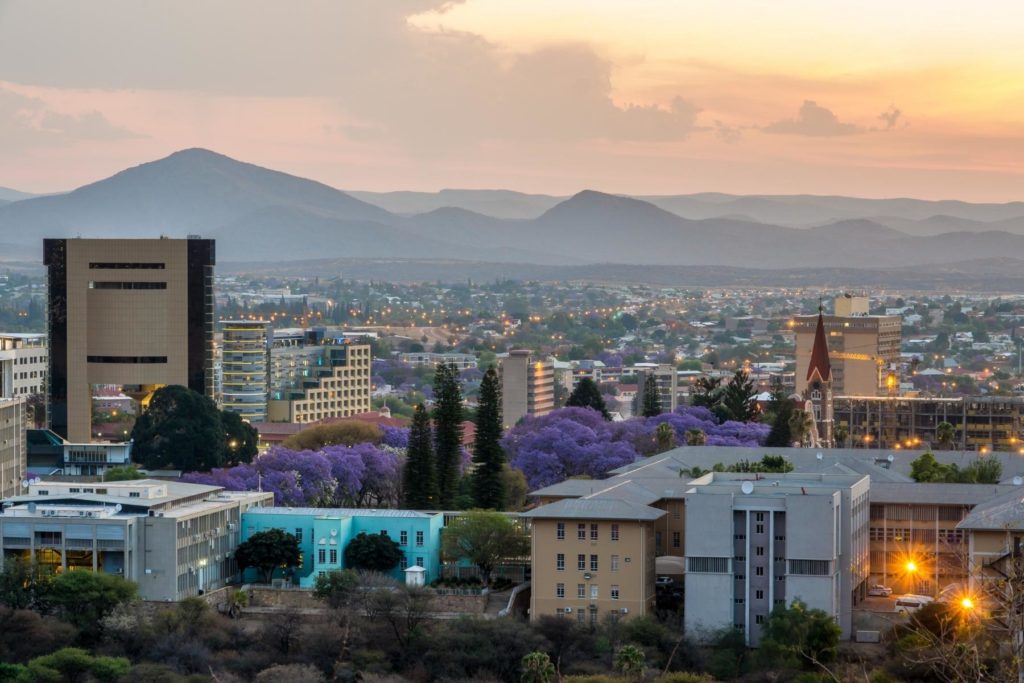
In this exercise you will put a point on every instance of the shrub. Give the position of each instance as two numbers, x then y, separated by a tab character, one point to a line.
683	677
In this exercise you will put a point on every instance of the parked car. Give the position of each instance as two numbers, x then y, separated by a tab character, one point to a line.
908	604
880	591
664	581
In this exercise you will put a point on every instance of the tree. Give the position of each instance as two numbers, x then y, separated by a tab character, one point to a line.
781	436
293	673
695	437
373	552
488	455
241	438
537	668
795	636
737	401
344	433
841	433
126	473
25	634
800	425
944	435
665	437
651	404
419	477
24	584
706	391
72	664
447	432
925	468
629	661
83	598
267	551
485	539
587	395
336	588
181	430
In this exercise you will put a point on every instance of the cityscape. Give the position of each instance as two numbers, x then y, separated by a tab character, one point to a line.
450	342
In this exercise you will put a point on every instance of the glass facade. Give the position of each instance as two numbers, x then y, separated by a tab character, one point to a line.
245	361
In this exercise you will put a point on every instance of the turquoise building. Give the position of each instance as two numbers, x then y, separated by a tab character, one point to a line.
324	533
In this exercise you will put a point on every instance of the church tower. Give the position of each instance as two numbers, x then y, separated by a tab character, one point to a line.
818	394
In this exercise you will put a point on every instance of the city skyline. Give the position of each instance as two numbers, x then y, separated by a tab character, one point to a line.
652	97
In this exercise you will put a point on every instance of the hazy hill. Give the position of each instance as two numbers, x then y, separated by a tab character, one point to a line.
496	203
9	195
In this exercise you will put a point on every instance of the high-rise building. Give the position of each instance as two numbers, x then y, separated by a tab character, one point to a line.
133	313
863	348
13	454
527	386
245	368
335	384
666	379
22	364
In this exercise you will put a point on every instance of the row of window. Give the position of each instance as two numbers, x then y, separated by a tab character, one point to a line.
581	591
403	537
955	536
581	531
29	360
581	562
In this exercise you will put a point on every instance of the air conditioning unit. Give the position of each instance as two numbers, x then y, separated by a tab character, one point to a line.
568	610
624	610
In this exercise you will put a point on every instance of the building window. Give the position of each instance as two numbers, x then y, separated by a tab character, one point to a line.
334	556
419	539
615	592
593	532
419	561
581	591
675	539
581	532
403	538
615	563
593	563
759	551
759	619
403	564
707	565
298	535
780	538
559	590
738	601
759	571
760	595
560	562
657	539
581	562
322	556
615	532
759	529
383	532
810	567
594	591
560	531
759	516
581	617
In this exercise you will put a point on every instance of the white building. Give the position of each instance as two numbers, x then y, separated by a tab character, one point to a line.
23	362
13	454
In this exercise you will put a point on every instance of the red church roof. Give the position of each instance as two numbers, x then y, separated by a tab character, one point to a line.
820	364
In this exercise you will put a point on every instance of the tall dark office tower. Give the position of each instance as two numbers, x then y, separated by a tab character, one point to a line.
125	316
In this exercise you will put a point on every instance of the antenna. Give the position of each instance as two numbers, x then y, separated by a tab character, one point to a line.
747	487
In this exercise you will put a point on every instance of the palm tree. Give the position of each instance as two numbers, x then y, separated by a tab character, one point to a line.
944	434
537	668
841	434
665	437
800	425
695	437
629	660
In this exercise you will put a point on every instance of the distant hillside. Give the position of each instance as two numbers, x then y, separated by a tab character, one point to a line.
257	214
9	195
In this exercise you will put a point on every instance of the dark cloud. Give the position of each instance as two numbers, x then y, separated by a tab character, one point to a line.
814	121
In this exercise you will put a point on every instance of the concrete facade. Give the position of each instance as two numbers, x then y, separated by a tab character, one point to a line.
337	384
527	386
13	449
667	380
23	361
324	533
174	540
137	313
245	368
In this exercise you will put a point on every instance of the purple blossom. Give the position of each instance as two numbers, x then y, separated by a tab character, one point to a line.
396	437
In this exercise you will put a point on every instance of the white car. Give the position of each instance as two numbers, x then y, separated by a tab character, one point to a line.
664	581
908	604
879	591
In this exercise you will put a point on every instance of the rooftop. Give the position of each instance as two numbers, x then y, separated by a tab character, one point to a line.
344	512
1003	513
595	508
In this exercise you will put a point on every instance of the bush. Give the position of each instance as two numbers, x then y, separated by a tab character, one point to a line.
293	673
347	433
683	677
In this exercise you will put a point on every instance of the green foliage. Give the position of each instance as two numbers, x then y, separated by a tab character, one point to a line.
488	456
373	552
516	487
477	649
800	425
629	661
774	464
83	598
651	403
184	430
337	588
24	585
926	469
665	437
944	435
796	636
73	664
485	539
292	673
695	437
537	668
127	473
737	400
683	677
730	658
706	392
345	433
419	476
587	395
25	634
267	551
447	432
13	673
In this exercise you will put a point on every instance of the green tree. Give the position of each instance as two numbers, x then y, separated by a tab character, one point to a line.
695	437
488	455
24	584
781	436
665	437
841	433
447	432
484	538
537	668
944	435
126	473
268	551
345	433
419	476
800	425
241	438
706	392
797	636
587	395
83	598
651	404
925	468
75	665
373	552
737	401
181	430
337	588
629	661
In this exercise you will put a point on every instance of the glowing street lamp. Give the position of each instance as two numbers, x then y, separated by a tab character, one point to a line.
911	567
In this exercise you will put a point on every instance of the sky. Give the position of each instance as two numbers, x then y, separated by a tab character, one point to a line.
877	99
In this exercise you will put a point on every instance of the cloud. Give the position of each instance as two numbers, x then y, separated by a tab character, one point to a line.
726	133
29	122
814	121
890	117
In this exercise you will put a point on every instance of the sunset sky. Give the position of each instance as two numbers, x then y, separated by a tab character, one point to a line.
921	99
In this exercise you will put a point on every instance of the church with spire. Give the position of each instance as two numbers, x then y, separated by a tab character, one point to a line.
817	395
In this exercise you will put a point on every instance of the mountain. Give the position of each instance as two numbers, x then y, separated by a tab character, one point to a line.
496	203
9	195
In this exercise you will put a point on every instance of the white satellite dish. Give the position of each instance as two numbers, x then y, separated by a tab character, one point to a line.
891	457
24	483
819	456
747	487
117	508
1017	481
334	532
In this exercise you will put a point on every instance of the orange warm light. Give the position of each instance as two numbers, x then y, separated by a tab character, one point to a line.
911	567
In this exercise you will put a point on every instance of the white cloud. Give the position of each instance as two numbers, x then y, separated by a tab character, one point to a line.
814	121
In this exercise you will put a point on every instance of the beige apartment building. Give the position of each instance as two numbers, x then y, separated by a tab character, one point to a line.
592	558
336	385
862	348
22	364
135	313
13	454
527	386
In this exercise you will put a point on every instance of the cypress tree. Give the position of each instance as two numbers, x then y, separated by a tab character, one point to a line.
488	481
651	404
447	432
587	395
419	479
